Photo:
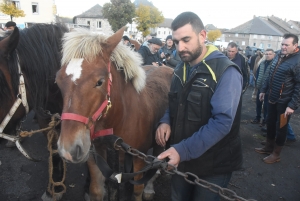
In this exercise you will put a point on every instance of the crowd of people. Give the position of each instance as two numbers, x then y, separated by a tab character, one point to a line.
200	129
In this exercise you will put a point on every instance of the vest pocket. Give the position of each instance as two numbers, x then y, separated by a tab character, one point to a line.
194	106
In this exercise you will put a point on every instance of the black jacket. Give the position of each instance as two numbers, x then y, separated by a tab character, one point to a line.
148	57
283	82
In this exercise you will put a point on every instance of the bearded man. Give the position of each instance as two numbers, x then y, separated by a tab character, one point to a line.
204	113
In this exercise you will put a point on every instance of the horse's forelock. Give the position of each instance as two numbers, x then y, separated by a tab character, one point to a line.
81	43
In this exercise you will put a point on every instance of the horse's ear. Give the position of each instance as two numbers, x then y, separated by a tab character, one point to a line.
10	43
114	40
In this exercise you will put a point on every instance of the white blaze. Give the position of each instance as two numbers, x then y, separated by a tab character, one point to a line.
74	68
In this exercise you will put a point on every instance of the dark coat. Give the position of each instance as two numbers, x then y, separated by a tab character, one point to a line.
148	57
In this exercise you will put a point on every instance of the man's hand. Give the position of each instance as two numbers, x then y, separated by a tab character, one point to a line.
172	154
162	134
288	111
261	96
162	55
155	64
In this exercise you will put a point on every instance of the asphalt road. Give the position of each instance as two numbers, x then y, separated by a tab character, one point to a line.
24	180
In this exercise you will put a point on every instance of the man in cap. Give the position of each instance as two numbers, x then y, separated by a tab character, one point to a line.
150	52
168	53
10	26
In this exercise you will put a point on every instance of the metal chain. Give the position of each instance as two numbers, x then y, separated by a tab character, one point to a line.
188	176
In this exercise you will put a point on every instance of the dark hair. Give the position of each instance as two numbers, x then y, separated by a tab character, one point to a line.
289	35
269	50
10	24
232	44
187	18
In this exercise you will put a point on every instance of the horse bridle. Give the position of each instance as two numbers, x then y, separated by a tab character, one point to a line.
90	121
21	98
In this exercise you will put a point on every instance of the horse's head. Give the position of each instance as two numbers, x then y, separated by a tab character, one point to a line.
84	81
8	88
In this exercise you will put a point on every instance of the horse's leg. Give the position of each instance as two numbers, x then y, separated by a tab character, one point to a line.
138	164
149	192
96	189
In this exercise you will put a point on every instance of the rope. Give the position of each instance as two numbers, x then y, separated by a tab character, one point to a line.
52	137
55	120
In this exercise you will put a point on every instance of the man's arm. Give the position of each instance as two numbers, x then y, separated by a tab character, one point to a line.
295	102
224	103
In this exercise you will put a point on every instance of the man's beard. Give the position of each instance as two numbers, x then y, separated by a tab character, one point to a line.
191	56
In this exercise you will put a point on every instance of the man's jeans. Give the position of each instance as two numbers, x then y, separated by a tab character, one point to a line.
183	191
259	105
251	79
273	123
290	133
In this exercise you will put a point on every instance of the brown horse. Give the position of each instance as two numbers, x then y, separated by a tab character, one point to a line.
33	54
104	86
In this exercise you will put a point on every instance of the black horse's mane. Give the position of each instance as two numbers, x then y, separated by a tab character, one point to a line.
39	54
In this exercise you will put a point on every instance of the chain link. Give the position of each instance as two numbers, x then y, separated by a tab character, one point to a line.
189	177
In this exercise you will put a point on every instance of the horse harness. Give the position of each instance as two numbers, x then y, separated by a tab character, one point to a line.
90	121
21	98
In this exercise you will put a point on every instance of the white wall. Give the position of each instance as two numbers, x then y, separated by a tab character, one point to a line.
45	13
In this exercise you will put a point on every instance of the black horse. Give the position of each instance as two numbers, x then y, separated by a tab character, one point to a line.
35	54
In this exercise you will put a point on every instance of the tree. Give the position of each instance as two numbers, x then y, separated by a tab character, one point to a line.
119	13
9	8
147	17
213	35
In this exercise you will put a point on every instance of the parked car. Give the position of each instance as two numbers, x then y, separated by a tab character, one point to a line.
250	50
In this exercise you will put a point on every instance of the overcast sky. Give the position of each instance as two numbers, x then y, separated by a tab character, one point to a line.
221	13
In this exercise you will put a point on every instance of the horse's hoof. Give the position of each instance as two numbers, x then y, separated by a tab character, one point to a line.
148	194
46	197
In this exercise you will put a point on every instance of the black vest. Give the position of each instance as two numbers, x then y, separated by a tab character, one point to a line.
190	109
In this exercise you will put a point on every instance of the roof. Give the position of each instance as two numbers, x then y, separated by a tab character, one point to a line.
210	27
166	23
142	2
272	26
258	25
282	25
94	12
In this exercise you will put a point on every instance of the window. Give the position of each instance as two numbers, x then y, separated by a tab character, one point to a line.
237	42
164	33
243	42
270	37
88	22
158	33
254	44
236	35
230	40
254	36
35	8
98	24
269	45
17	4
169	32
262	36
261	45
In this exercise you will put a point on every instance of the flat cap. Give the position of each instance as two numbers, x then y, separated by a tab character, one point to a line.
155	41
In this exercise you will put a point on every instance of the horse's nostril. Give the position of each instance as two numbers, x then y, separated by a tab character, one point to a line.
78	151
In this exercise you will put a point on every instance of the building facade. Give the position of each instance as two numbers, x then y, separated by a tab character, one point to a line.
260	32
93	20
37	11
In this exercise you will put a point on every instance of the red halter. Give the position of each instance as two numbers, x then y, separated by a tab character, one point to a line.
97	115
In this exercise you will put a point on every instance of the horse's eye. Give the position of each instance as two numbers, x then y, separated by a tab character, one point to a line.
100	82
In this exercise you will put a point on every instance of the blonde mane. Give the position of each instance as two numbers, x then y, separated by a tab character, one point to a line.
82	43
